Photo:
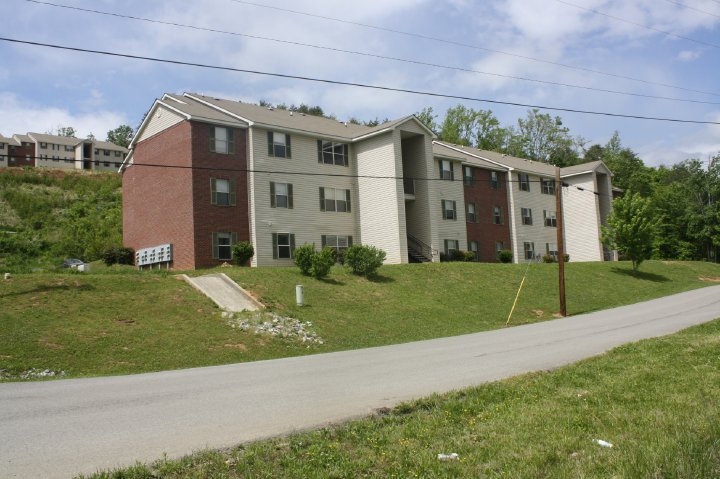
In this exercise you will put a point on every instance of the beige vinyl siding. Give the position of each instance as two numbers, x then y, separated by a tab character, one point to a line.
305	220
582	219
536	233
162	119
381	201
451	191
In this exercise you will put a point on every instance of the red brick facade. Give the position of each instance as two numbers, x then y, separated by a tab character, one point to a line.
487	195
167	194
23	155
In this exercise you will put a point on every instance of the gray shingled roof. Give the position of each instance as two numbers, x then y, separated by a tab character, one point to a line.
58	140
445	150
106	145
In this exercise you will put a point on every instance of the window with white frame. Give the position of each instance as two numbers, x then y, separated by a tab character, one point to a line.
332	153
451	245
494	181
44	145
337	242
497	215
278	144
470	214
446	170
222	245
524	181
547	186
283	245
281	195
222	191
468	175
551	249
550	218
221	140
448	210
526	214
499	246
529	248
335	199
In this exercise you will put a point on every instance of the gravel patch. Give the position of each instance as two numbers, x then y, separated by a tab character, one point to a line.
271	324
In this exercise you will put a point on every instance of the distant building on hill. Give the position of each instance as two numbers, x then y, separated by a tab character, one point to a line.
41	150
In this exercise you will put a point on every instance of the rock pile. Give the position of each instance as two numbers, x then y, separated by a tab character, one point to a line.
271	324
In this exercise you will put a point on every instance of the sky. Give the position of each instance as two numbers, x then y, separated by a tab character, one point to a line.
632	58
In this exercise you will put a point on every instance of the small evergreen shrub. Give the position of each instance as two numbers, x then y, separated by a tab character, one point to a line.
303	258
364	260
505	256
469	256
548	258
243	252
322	261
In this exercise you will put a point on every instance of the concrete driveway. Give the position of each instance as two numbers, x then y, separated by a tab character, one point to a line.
60	428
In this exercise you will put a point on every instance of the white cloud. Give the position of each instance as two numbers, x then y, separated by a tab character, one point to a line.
688	55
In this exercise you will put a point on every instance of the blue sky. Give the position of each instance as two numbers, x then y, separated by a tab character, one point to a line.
660	58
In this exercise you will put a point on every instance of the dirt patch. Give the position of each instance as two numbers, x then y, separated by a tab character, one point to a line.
48	344
714	279
539	313
238	346
126	321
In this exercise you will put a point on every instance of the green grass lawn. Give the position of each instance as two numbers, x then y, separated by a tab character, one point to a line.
118	321
655	401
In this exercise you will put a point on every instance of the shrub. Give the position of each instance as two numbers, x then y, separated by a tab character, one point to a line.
242	252
113	256
505	256
469	256
304	257
548	258
566	257
321	262
364	260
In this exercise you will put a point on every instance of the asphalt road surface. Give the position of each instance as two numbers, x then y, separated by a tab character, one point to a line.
65	427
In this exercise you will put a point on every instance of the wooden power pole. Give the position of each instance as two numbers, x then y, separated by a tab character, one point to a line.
560	241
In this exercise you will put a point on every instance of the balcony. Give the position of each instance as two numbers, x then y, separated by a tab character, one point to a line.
409	186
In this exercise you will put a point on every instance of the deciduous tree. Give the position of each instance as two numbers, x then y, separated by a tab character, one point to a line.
631	228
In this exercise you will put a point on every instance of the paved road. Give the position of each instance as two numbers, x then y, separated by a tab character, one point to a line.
60	428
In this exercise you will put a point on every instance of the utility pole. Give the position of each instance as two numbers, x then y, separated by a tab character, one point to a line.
560	241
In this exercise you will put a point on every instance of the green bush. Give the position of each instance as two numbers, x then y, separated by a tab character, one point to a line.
364	260
113	256
242	252
505	256
322	262
548	258
469	256
304	258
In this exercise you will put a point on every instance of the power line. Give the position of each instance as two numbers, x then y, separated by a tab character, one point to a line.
693	8
476	47
664	32
357	85
373	55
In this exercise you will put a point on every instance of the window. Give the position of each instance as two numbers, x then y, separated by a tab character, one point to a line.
470	215
450	246
283	245
336	242
446	170
524	181
222	191
529	250
221	140
526	214
335	199
547	186
550	219
497	215
551	249
499	246
494	182
448	210
467	175
473	246
117	153
222	245
69	148
97	152
2	146
44	145
278	144
281	195
332	153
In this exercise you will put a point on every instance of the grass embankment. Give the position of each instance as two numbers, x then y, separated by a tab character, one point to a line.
655	401
119	321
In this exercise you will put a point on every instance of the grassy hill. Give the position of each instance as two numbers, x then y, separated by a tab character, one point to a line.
48	215
118	321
